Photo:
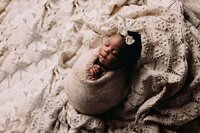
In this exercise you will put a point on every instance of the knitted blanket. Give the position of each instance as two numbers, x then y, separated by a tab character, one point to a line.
94	96
165	88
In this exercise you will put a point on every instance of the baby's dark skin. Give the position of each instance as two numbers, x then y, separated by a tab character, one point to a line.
109	57
95	72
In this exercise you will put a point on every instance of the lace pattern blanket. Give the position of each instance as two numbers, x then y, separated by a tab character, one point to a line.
165	91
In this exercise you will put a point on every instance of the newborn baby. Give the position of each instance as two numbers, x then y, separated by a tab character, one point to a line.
111	56
97	81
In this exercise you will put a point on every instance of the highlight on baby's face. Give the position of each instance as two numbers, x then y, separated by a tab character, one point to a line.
110	53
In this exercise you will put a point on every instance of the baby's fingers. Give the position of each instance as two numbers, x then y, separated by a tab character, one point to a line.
96	71
91	71
96	66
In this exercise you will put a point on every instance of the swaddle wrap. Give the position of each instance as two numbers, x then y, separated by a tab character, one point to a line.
94	96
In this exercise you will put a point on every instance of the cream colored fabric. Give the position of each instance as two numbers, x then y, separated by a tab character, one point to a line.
33	34
94	96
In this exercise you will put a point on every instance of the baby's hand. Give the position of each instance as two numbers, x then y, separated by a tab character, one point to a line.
94	72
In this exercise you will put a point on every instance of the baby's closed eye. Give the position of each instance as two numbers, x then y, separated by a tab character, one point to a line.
115	52
107	43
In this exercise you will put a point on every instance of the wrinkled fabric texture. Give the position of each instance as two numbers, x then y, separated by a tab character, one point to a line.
94	96
165	89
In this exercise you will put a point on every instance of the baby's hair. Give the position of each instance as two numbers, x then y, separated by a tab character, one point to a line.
136	47
133	51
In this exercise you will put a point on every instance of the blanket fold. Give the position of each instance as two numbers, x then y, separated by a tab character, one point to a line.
94	96
165	89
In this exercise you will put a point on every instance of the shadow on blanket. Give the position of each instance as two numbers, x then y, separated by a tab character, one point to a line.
165	89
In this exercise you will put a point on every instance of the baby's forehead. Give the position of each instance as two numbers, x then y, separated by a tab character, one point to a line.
116	37
116	40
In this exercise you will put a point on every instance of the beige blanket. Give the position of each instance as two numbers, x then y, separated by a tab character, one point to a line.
165	91
93	96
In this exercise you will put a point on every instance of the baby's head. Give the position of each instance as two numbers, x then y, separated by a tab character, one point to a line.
115	53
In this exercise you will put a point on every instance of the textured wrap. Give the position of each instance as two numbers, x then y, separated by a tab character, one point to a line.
94	96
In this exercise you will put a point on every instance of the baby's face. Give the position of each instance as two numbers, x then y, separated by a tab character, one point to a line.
110	52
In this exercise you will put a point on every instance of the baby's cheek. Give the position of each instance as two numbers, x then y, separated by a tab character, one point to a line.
100	50
113	58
